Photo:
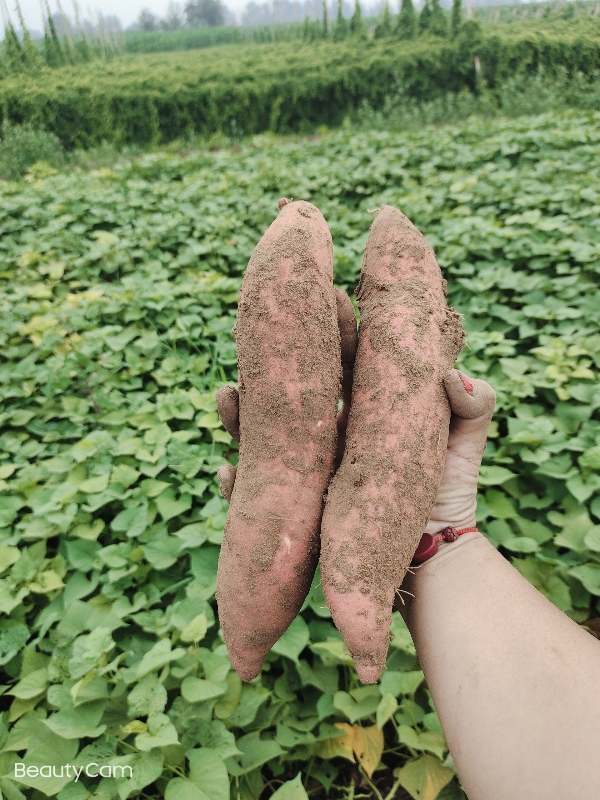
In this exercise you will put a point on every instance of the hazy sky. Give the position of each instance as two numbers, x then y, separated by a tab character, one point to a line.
126	10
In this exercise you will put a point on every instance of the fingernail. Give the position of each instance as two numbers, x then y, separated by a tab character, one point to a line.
466	383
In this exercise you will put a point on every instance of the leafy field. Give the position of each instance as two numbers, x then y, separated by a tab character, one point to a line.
245	89
118	294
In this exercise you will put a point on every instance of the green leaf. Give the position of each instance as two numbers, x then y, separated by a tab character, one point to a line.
79	723
94	485
149	696
589	575
169	507
156	658
195	630
424	778
386	709
291	790
182	789
592	539
197	690
208	772
228	702
8	556
432	741
161	732
161	551
521	544
494	476
293	641
397	683
48	751
354	710
255	752
31	685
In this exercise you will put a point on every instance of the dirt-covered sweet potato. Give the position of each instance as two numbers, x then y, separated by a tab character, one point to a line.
288	350
380	498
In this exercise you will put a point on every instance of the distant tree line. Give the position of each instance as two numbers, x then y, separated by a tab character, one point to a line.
407	24
64	40
194	14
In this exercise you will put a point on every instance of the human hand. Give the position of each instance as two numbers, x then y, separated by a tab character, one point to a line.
472	404
228	399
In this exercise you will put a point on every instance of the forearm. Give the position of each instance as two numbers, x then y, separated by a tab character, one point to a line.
514	680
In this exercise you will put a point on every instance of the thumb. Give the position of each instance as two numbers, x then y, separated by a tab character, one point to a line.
472	402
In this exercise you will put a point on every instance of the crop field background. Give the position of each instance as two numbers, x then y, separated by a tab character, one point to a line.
119	291
120	271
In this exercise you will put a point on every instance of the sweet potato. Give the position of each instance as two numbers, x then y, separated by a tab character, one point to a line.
380	498
288	350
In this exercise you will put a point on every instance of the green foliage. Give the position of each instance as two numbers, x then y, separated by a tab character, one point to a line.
148	99
325	20
456	17
357	26
406	25
425	17
438	22
118	294
341	27
384	25
21	146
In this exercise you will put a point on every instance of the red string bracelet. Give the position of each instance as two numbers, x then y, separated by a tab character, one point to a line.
428	546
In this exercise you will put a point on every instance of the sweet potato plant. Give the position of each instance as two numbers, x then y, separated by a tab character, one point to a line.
118	294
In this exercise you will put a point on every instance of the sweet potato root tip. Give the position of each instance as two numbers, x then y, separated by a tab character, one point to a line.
288	348
226	476
283	201
229	410
381	496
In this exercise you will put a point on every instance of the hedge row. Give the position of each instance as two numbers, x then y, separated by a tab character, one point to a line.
149	99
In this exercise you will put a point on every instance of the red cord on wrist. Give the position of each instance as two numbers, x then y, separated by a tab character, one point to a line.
428	546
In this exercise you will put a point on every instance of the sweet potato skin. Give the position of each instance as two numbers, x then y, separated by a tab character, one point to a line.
380	498
288	349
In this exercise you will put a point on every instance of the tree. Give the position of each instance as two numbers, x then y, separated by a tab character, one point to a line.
357	23
205	12
325	20
53	52
456	17
424	17
438	22
31	57
147	21
384	25
406	27
174	18
341	27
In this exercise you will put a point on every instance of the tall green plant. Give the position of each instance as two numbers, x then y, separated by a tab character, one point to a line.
14	54
406	25
358	28
341	28
456	17
438	22
85	49
325	20
31	56
425	17
53	51
384	26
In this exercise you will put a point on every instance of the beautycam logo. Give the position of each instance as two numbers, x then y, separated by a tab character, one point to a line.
71	771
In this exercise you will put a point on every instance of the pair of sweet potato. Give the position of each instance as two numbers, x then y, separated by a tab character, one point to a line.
296	342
